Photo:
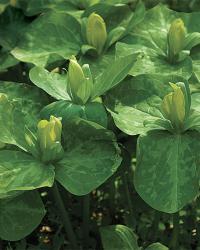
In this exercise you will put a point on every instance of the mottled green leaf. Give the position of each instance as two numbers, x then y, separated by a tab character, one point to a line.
138	99
157	21
157	246
6	61
195	99
20	171
150	62
91	157
113	75
152	33
31	98
167	171
20	216
117	15
92	111
52	36
118	237
99	64
12	25
54	84
22	109
34	7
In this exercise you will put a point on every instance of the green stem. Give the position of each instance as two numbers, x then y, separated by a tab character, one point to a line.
175	233
112	197
65	217
86	220
128	198
155	226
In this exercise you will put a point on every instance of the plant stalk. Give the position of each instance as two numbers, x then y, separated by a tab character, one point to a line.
65	217
86	220
128	198
175	233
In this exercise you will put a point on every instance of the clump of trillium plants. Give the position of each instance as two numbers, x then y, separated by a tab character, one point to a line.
99	125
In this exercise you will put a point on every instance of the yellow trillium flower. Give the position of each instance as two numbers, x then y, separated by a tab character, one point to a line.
49	132
173	105
96	32
176	37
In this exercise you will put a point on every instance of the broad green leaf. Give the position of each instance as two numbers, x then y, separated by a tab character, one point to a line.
92	111
157	246
34	7
113	15
118	237
91	157
138	99
99	64
54	84
152	33
20	171
113	75
150	62
12	26
167	172
6	61
12	123
137	17
51	37
157	21
192	40
195	98
20	216
23	107
31	98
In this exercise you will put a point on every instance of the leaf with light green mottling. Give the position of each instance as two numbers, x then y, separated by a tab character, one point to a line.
12	124
20	216
195	101
157	246
113	75
7	61
92	111
157	21
91	157
113	15
50	37
138	99
31	98
20	171
12	25
22	108
118	237
149	62
34	7
150	36
99	64
54	84
167	170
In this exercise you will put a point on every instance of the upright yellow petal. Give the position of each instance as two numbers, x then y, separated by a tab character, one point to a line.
96	32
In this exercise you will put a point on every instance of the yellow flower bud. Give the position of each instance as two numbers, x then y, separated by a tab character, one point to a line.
173	106
96	32
176	37
75	76
79	82
49	132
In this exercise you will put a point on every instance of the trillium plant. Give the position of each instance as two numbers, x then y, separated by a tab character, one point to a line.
99	125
